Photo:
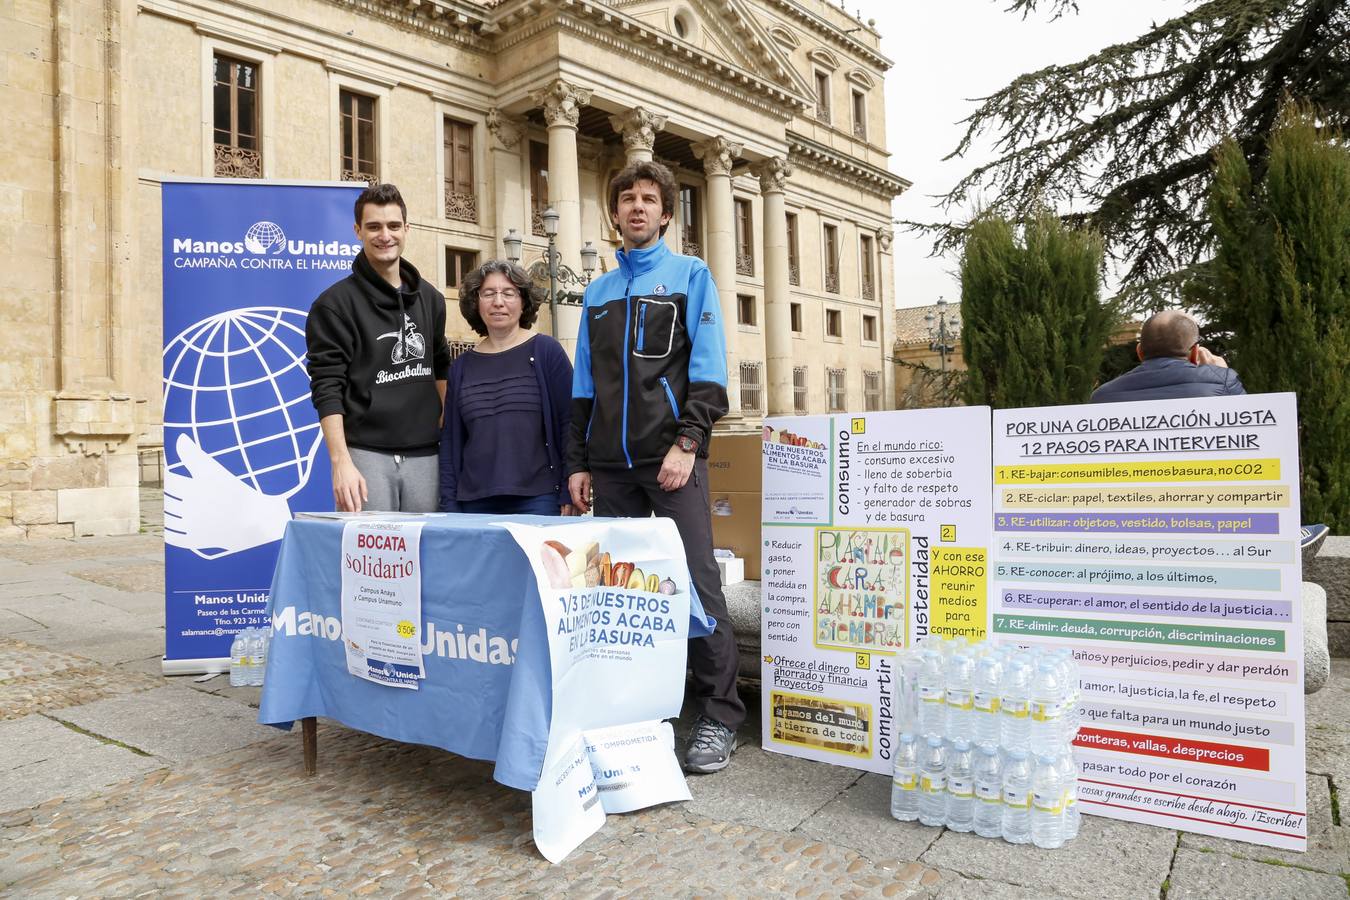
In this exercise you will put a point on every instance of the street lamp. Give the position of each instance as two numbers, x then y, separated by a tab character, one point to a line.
943	334
552	265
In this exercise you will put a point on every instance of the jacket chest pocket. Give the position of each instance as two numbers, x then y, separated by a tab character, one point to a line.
654	328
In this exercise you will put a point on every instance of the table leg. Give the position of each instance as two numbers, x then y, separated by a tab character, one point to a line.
309	738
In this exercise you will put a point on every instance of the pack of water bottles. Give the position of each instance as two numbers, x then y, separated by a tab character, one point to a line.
985	738
248	657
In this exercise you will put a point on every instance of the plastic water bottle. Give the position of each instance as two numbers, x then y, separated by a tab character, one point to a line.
988	674
933	782
238	677
959	678
905	782
960	787
932	718
988	792
908	719
1014	725
1047	804
261	639
1047	708
1017	798
1068	774
1068	668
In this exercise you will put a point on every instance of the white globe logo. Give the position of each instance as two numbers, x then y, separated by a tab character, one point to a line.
240	434
264	236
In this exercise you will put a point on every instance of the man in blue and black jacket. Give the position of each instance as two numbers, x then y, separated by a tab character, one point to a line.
650	380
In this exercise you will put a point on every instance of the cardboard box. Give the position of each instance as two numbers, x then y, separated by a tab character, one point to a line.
735	463
735	526
732	569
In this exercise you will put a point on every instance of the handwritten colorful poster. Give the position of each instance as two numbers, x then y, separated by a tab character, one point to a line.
875	533
1159	541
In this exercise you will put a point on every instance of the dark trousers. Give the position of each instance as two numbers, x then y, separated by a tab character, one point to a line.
635	493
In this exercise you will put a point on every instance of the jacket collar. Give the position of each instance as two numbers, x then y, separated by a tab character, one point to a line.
363	270
639	262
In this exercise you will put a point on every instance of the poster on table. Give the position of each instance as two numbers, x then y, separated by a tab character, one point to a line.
382	601
1159	541
615	596
242	262
875	534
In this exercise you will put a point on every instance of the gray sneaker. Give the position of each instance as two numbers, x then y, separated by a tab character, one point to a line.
710	746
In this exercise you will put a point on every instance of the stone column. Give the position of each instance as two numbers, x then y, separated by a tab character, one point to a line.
773	173
718	154
638	127
508	195
885	280
561	103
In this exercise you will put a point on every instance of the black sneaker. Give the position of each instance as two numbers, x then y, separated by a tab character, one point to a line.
710	746
1310	540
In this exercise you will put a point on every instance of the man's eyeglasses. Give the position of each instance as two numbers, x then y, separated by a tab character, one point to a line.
507	294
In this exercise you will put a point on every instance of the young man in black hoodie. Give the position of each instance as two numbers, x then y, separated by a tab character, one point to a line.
378	362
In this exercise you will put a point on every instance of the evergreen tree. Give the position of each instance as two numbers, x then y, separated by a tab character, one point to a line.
1125	138
1280	285
1035	328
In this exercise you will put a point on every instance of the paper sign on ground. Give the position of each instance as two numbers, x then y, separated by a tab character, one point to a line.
382	601
876	533
1159	541
566	806
635	766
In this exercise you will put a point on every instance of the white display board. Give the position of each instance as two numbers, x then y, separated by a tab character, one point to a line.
1159	541
876	531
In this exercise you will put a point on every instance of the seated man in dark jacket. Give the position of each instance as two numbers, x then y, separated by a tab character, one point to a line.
1172	365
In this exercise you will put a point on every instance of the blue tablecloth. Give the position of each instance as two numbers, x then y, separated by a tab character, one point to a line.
477	582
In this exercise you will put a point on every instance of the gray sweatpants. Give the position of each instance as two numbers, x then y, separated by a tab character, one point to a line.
398	483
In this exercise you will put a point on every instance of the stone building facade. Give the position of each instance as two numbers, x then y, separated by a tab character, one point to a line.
770	112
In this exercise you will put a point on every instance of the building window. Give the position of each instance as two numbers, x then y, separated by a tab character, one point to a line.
867	279
458	263
859	115
691	228
745	235
745	309
794	261
795	313
823	97
871	391
869	332
358	136
238	153
461	199
834	323
831	259
799	390
834	390
538	186
751	392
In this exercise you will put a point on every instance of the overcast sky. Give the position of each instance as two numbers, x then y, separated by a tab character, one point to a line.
946	52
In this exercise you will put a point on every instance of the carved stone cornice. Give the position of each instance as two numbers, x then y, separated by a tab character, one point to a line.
808	154
643	46
638	127
507	130
773	174
820	26
561	102
718	155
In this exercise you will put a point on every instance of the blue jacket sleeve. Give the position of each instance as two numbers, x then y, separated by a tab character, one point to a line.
583	399
452	444
707	398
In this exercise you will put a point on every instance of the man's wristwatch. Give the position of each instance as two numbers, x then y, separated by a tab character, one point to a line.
687	444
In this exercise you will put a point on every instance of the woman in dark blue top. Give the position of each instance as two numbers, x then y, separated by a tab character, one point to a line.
506	404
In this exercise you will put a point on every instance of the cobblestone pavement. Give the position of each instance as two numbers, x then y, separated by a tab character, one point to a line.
117	782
